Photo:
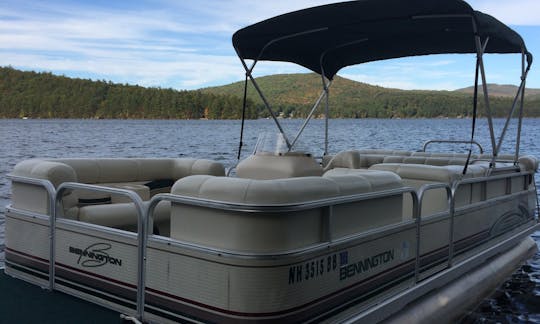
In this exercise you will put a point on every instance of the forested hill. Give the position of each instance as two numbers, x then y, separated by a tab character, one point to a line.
44	95
503	90
294	94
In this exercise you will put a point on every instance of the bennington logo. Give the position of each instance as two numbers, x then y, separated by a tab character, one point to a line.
350	270
95	255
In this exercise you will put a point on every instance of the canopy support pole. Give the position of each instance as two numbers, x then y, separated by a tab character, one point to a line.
244	106
480	54
308	118
475	110
524	72
249	75
519	95
256	86
326	85
326	113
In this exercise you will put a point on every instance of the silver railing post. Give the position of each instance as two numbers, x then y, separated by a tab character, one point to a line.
418	223
51	194
450	203
141	231
52	236
327	216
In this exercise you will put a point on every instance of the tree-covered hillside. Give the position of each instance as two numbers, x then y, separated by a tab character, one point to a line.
295	93
503	90
44	95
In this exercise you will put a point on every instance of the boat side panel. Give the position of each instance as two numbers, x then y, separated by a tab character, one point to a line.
262	291
478	220
95	255
27	235
362	216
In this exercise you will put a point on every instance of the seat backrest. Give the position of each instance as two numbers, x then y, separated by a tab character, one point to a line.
270	166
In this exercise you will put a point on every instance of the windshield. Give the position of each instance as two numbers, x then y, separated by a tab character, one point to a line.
270	143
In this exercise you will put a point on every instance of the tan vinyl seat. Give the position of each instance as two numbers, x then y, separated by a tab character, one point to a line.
137	175
267	166
417	175
271	232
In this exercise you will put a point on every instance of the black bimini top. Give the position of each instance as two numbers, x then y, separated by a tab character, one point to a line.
327	38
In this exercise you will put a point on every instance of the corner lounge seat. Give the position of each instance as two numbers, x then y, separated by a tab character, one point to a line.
364	159
272	232
357	160
526	163
433	173
145	177
417	175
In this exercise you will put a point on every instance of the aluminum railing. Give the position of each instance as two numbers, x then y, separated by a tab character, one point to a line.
424	147
141	231
328	204
51	195
450	194
145	213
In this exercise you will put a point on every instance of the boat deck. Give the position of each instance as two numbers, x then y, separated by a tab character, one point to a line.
22	302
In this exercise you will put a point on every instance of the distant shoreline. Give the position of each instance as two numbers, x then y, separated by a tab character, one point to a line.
210	120
35	95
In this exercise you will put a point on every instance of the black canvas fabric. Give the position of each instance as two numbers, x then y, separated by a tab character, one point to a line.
327	38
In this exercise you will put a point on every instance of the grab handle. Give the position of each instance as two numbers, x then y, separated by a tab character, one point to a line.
453	142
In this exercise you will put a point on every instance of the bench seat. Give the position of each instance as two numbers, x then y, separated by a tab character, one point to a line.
271	232
417	175
146	177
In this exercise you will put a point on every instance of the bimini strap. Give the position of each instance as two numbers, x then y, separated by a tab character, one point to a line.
243	118
475	106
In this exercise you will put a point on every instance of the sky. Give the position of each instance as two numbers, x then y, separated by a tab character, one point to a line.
186	44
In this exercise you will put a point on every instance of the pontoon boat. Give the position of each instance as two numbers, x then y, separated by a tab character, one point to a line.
362	235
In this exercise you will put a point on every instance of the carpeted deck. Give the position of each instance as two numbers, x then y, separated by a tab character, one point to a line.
21	302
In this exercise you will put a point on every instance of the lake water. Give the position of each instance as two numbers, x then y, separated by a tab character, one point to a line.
518	300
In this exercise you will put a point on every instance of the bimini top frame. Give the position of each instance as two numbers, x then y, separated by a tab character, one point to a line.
327	38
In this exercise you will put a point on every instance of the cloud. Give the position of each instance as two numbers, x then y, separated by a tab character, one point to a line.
515	12
239	13
183	45
180	44
442	72
136	47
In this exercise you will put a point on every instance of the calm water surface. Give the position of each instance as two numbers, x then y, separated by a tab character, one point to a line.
516	301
